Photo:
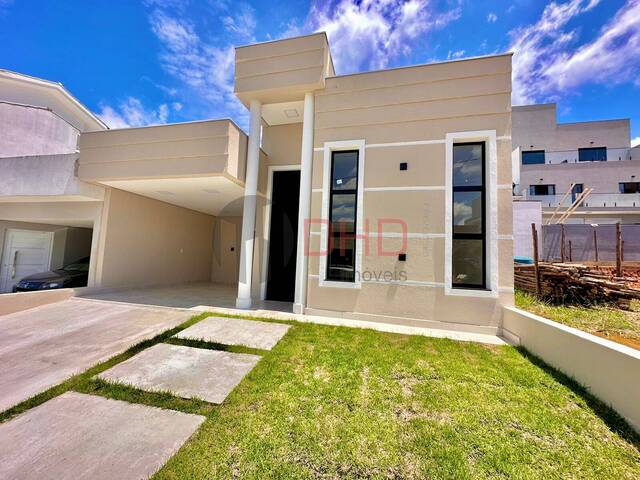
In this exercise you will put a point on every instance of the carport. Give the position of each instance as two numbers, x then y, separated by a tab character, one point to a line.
173	203
48	218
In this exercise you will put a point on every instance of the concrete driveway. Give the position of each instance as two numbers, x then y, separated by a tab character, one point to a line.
42	347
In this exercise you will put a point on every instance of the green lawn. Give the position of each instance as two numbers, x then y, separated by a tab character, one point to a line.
606	321
334	402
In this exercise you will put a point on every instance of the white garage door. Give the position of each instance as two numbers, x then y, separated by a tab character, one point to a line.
25	252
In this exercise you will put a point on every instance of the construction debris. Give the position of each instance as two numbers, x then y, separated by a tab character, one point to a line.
577	284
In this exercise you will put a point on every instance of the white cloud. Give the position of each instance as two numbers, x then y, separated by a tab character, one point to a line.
536	45
614	55
492	17
635	141
453	55
368	34
243	25
203	68
547	62
131	113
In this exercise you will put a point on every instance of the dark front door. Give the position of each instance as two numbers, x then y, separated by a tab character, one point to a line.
283	236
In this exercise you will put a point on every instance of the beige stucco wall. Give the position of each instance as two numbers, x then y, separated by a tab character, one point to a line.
537	125
216	147
282	70
404	115
227	232
148	242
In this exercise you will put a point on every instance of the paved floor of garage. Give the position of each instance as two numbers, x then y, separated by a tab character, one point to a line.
43	346
192	295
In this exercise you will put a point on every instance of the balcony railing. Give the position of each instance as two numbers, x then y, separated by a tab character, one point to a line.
571	156
595	200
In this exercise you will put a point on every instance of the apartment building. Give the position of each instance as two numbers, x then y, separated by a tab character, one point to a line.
383	195
555	162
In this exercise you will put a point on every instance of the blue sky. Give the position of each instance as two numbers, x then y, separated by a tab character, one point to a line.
155	61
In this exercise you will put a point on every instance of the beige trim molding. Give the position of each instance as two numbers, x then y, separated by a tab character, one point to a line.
324	234
491	245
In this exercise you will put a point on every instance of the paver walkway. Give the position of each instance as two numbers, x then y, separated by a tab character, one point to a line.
41	347
76	436
234	331
187	372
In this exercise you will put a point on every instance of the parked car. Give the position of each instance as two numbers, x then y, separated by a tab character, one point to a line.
73	275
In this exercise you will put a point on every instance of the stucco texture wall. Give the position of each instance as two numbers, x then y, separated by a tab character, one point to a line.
404	115
148	242
30	130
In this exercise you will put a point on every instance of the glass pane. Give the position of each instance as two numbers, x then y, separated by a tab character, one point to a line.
467	262
345	171
467	165
629	187
341	264
542	190
467	212
598	154
533	157
343	212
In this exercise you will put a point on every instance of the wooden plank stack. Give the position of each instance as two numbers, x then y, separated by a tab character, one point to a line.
577	284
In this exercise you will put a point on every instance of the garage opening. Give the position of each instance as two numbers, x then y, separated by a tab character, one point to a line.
43	257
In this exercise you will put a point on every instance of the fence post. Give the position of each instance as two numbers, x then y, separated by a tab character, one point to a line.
570	256
536	268
618	250
562	242
595	242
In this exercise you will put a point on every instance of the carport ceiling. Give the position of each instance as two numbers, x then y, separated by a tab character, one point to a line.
212	195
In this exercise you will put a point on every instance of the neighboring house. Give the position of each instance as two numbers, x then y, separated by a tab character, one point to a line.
40	226
383	195
550	157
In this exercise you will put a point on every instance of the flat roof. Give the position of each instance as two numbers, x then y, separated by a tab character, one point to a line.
421	65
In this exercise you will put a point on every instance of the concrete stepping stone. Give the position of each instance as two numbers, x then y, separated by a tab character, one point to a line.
184	371
234	331
77	436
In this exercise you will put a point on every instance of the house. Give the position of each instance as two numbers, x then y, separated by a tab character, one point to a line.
555	162
383	196
46	213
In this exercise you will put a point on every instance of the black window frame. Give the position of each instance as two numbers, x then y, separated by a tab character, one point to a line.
335	235
621	187
592	149
467	235
532	187
537	152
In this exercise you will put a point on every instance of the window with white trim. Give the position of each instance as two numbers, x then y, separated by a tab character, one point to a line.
469	232
343	203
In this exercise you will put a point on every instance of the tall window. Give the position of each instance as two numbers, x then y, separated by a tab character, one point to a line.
342	216
594	154
469	226
533	157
